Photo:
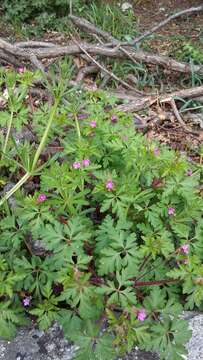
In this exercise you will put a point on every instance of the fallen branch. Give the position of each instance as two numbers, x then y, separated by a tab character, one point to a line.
34	44
160	25
92	29
186	93
111	74
25	53
179	118
97	32
86	70
9	59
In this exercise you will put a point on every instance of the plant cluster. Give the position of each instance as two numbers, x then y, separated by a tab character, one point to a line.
191	52
103	231
38	16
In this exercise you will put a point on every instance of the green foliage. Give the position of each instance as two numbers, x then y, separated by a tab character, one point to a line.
112	19
10	316
191	52
38	16
106	236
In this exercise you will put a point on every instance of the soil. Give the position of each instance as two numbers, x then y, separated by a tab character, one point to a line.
150	12
167	41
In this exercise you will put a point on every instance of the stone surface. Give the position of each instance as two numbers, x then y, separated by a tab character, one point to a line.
32	344
195	345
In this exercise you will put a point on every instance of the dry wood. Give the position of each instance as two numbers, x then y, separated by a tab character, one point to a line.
161	24
86	70
59	51
9	59
148	58
180	120
186	93
92	29
136	104
110	73
34	44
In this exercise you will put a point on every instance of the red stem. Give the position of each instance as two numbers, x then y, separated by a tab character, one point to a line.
155	282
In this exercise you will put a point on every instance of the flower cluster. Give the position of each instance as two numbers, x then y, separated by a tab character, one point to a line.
141	315
41	198
93	124
185	249
109	185
78	164
26	301
171	211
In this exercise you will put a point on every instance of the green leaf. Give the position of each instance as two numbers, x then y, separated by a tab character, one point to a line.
10	316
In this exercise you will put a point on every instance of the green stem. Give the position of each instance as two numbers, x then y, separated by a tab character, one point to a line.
8	133
36	157
44	137
77	127
15	188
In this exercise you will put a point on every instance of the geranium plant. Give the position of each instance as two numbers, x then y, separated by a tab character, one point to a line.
105	236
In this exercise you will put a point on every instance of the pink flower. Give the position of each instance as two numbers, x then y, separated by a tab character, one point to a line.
141	315
185	249
189	172
114	118
27	300
156	152
171	211
76	165
21	69
41	198
93	124
86	162
109	185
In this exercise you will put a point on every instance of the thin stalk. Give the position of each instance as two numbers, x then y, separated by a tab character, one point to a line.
44	137
36	157
155	282
70	7
146	258
8	134
15	188
77	126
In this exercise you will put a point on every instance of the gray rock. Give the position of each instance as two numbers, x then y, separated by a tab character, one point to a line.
137	354
195	345
33	344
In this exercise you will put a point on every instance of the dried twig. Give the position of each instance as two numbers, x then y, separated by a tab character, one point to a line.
59	51
160	25
186	93
37	64
9	59
136	104
34	44
107	71
92	29
180	120
91	69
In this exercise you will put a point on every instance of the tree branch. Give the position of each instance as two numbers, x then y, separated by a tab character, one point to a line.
111	74
160	25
